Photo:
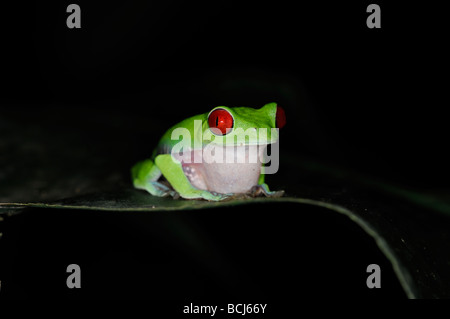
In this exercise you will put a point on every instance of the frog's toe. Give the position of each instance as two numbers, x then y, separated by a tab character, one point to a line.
174	194
213	196
259	190
159	189
275	194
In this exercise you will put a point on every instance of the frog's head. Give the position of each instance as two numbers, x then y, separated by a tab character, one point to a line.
234	144
245	125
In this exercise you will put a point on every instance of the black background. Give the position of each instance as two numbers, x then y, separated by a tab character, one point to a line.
366	99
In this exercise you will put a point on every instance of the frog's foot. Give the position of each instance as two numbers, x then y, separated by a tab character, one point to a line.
259	190
206	195
159	189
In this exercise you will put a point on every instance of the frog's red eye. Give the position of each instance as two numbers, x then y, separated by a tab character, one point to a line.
280	119
220	121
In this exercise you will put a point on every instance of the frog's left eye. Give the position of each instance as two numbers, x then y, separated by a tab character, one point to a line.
220	121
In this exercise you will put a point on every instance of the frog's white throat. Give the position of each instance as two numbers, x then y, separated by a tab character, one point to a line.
235	172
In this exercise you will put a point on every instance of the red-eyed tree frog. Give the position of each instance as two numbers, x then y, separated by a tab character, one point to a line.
220	155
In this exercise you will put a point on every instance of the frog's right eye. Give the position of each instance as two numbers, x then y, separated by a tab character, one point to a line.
280	118
220	121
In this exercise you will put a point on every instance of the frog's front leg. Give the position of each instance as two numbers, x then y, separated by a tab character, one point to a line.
145	175
263	188
173	172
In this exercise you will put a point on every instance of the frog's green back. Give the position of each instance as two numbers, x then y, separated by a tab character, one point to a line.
166	142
